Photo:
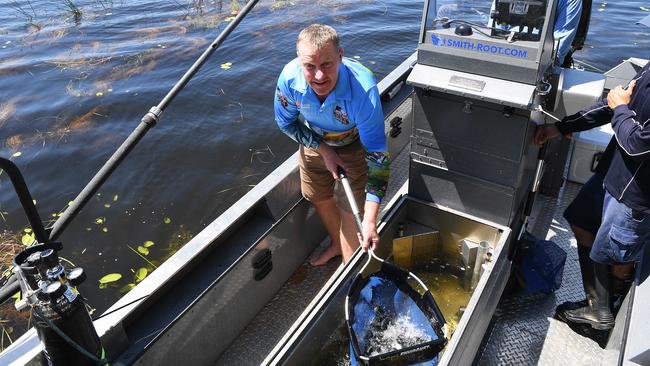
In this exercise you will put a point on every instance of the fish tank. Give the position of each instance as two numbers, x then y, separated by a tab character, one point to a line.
461	259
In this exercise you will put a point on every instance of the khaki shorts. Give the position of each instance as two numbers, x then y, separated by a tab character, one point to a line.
317	183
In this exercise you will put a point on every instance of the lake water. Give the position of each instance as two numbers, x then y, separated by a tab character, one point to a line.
72	88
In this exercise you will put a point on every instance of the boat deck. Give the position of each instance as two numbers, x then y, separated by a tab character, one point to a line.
522	331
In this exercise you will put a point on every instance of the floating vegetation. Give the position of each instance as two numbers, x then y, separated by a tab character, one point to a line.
141	256
235	7
140	274
28	238
6	110
142	250
281	4
178	239
61	130
137	64
74	10
109	279
9	247
78	63
27	11
260	153
204	21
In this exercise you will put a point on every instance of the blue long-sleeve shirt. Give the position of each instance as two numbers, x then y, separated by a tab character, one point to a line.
567	17
628	178
351	111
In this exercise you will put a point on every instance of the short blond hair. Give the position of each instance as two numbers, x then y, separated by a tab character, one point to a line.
318	36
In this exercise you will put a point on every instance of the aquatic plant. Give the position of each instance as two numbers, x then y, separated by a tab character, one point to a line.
74	10
6	110
281	4
28	13
10	245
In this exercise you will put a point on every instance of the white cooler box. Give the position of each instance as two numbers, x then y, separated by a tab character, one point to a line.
588	147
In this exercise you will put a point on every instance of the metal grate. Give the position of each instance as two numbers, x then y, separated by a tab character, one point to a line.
522	331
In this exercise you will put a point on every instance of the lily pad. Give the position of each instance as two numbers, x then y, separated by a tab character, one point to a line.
28	239
148	244
126	288
140	274
16	297
112	277
143	250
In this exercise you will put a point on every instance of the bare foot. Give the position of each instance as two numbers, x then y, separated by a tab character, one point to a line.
323	257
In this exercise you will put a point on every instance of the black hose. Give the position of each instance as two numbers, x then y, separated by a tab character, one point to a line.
25	198
9	289
148	121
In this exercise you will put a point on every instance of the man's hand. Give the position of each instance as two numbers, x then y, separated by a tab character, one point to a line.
331	158
619	95
370	238
544	133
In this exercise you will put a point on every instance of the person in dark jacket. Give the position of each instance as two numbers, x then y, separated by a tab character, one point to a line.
625	223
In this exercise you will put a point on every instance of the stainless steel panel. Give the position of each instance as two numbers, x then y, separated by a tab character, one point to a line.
498	91
204	331
326	315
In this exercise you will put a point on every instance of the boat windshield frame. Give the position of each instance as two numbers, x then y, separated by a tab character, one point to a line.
478	13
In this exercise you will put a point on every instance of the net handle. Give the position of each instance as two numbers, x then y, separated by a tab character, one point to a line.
357	218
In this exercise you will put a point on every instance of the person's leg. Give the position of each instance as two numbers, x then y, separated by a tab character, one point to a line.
584	216
330	217
597	313
584	239
623	272
622	276
317	186
349	240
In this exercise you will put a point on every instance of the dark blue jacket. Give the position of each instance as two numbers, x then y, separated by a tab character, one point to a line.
628	178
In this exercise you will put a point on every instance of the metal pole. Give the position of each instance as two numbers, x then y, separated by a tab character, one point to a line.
148	121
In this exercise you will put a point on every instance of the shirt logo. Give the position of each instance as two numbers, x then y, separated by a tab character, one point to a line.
341	116
281	98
